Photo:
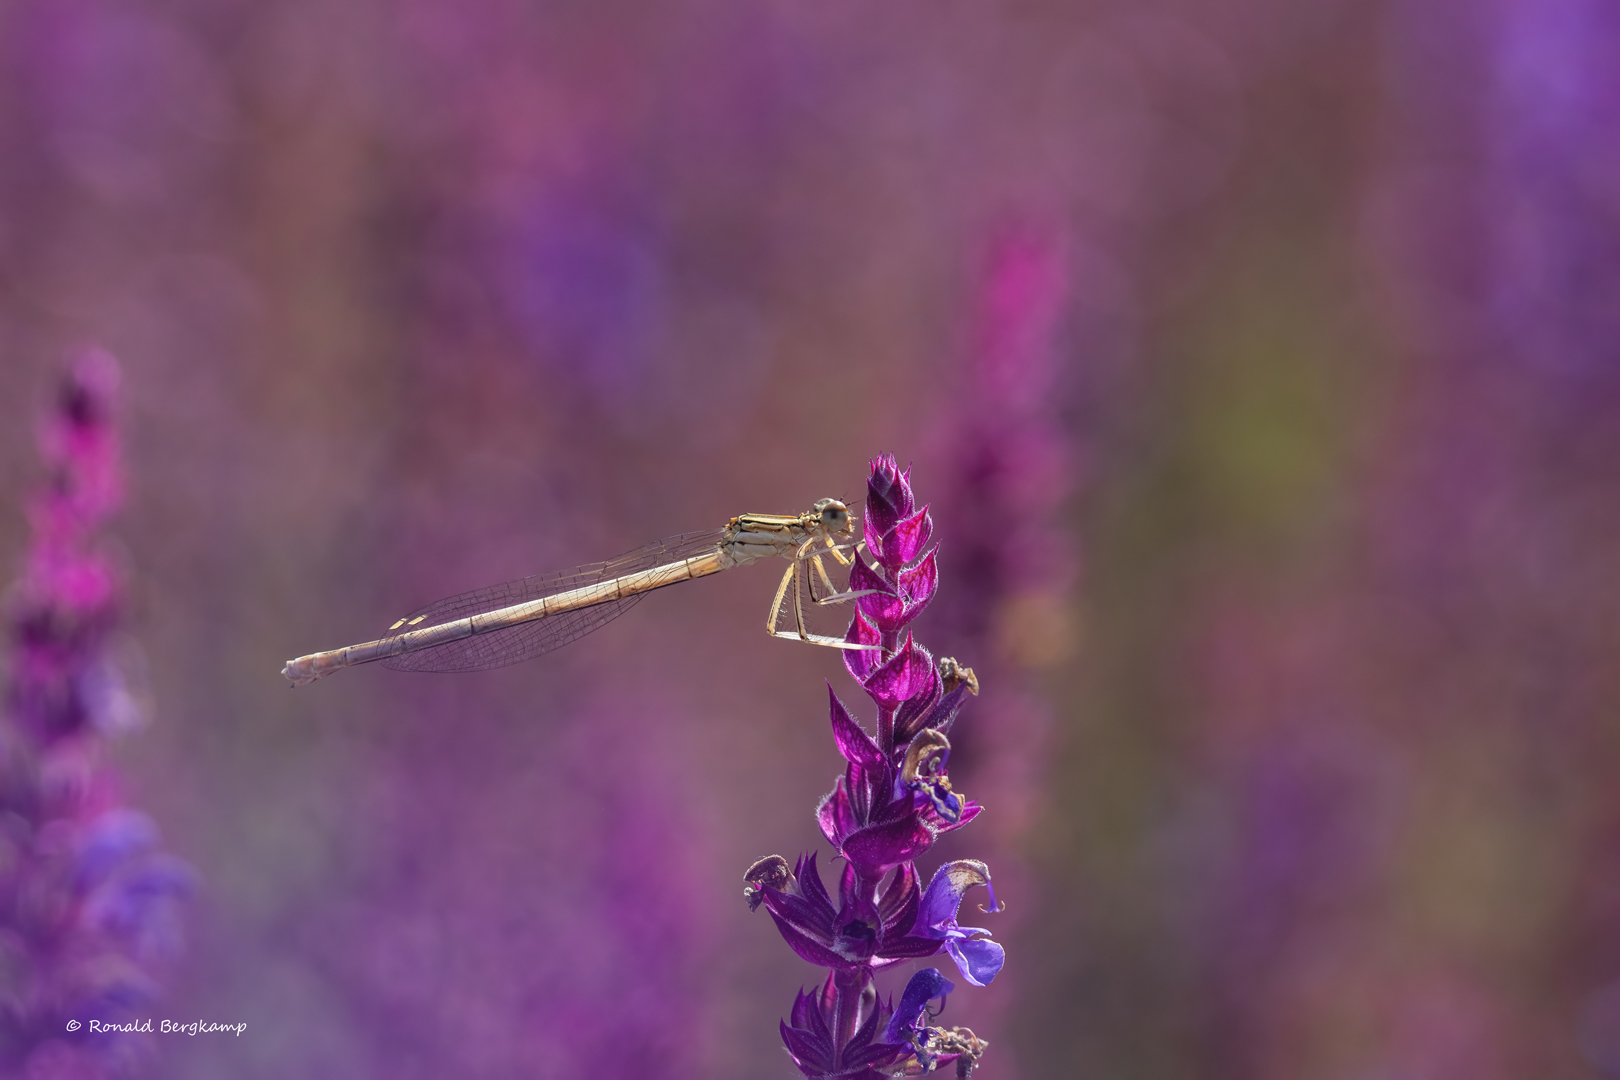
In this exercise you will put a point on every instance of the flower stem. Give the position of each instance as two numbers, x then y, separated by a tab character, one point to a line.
890	640
851	984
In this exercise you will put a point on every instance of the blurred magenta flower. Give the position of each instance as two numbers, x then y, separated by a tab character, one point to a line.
89	903
1008	444
893	801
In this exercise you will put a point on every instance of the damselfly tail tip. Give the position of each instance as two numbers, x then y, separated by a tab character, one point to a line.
300	672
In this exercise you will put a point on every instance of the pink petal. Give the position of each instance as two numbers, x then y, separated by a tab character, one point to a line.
908	673
861	662
854	743
906	540
882	846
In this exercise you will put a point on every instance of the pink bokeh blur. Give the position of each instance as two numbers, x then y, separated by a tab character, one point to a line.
1261	361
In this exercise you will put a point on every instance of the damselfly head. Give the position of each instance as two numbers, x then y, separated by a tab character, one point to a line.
834	517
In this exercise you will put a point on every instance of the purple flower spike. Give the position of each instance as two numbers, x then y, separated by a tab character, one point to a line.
892	802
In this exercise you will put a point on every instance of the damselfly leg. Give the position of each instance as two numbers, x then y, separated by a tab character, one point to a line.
801	579
833	596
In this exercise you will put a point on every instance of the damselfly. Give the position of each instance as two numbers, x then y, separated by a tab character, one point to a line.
505	624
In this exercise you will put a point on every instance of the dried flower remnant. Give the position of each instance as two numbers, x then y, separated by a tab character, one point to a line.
89	903
892	802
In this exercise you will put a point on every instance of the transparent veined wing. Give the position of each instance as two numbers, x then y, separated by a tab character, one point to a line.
514	644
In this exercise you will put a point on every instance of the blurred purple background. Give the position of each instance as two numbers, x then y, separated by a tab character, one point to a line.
1261	359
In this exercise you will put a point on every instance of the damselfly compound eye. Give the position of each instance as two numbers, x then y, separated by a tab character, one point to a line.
834	515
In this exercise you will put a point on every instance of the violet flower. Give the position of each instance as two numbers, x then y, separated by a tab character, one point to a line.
89	904
892	802
931	1046
976	956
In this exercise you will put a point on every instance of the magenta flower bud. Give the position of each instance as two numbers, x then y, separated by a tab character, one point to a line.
888	497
